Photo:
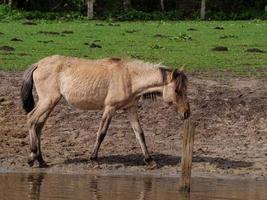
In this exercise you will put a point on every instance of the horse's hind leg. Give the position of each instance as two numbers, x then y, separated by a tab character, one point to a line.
39	128
133	117
36	121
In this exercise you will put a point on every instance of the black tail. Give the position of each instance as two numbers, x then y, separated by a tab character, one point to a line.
26	90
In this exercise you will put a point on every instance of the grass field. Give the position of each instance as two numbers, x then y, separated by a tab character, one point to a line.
171	43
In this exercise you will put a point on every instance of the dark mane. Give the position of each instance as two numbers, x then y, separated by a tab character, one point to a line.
181	80
151	95
179	76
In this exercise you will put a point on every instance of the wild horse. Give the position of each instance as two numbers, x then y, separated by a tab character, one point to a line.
109	84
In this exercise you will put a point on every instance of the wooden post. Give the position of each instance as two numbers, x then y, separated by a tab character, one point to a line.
187	156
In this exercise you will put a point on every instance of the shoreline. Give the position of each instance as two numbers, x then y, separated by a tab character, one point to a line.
150	174
230	138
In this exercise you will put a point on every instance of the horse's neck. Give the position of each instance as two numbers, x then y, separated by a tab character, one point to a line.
146	80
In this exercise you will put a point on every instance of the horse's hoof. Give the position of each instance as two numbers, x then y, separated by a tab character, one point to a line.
94	163
43	165
151	164
30	162
96	166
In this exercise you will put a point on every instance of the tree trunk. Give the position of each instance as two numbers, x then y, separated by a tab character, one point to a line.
90	9
10	3
162	5
203	9
127	4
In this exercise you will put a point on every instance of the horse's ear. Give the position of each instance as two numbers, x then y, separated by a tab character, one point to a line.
182	68
175	74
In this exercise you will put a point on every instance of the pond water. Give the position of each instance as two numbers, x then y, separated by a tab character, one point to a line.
19	186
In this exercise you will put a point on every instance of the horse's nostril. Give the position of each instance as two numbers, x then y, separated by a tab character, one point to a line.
186	114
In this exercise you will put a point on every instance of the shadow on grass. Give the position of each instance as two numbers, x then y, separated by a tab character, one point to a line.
163	160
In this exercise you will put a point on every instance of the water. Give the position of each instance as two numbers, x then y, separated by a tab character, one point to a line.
59	186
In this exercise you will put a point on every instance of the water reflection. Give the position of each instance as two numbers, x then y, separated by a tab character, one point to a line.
34	184
54	186
101	188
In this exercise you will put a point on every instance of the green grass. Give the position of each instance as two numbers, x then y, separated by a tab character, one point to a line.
137	40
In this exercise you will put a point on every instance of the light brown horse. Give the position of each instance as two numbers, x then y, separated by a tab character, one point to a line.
109	84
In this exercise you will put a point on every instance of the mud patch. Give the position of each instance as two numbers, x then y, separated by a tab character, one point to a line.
156	46
93	45
99	24
228	36
7	48
191	29
29	23
159	35
16	40
219	28
67	32
182	36
46	41
6	53
24	54
220	48
231	131
114	24
255	50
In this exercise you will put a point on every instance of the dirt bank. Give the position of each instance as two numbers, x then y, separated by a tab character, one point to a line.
231	139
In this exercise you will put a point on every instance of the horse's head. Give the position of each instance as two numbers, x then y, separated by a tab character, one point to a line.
175	92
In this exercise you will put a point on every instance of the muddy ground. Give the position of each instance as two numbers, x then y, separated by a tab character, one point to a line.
231	138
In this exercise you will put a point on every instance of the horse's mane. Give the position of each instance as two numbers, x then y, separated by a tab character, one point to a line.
152	95
181	80
179	76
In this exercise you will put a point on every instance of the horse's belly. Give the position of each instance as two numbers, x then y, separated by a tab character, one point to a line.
85	90
85	98
85	102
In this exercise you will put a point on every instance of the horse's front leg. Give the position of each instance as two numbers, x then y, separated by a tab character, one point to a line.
104	124
133	117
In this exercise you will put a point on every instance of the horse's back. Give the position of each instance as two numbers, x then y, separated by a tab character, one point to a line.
85	84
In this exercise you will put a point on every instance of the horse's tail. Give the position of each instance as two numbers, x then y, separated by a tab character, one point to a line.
26	90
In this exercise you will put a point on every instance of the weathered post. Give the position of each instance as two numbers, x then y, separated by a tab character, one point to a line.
90	8
203	9
187	156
